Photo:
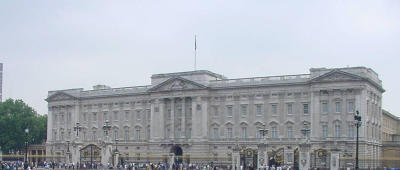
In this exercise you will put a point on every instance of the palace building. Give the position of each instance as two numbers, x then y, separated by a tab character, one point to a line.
203	117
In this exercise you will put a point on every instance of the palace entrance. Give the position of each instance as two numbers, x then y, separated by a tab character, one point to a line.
177	151
296	159
320	158
248	158
276	157
90	154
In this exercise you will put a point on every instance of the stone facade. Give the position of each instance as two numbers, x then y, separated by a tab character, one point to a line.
390	140
204	115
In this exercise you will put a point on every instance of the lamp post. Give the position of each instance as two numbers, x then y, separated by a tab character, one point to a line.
26	145
68	153
357	123
305	131
106	127
77	128
264	132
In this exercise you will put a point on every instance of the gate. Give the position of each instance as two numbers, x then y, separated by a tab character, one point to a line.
90	154
248	158
320	158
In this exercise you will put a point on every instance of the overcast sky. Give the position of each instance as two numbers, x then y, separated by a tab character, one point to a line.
53	45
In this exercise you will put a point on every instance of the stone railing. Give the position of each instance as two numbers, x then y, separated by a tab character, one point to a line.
260	80
115	91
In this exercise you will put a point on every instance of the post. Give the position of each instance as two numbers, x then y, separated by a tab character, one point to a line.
357	123
26	146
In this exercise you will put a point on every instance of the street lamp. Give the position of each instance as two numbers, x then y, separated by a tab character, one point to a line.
68	153
263	131
357	123
77	128
106	127
26	145
305	131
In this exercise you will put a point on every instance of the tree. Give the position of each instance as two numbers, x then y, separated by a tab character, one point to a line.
15	117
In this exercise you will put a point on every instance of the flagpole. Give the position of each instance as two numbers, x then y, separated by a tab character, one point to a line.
195	52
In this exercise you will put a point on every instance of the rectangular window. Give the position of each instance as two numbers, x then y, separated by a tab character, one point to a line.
137	134
148	114
215	108
337	130
115	134
351	131
62	136
190	133
94	116
305	109
229	111
179	112
274	132
190	112
126	136
290	132
290	108
169	114
244	132
105	116
258	133
168	133
338	107
259	109
216	135
243	110
274	109
138	116
229	135
126	115
351	107
324	107
324	130
179	133
84	136
115	115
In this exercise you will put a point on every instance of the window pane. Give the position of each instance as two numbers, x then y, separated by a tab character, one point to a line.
324	107
305	109
274	109
290	108
338	107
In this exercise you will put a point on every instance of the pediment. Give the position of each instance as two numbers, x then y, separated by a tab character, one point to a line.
177	83
59	96
336	75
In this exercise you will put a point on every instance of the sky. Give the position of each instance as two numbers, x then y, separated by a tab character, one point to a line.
52	45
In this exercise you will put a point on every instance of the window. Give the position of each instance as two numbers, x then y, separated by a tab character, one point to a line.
190	133
169	114
216	135
351	107
290	132
126	115
179	133
215	108
115	134
244	132
305	109
126	135
54	135
105	116
168	133
84	135
324	130
190	113
62	117
179	112
137	134
337	130
94	116
351	131
94	136
148	114
243	110
258	133
274	109
259	109
62	136
324	107
274	132
338	107
290	108
229	111
115	115
229	135
138	116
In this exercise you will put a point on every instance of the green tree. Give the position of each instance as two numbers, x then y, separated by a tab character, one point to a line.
15	117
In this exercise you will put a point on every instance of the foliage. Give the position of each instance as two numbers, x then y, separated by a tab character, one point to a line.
15	117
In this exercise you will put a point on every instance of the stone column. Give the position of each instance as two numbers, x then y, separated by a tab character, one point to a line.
183	123
262	159
236	159
173	117
155	133
116	159
204	118
334	159
195	119
304	156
